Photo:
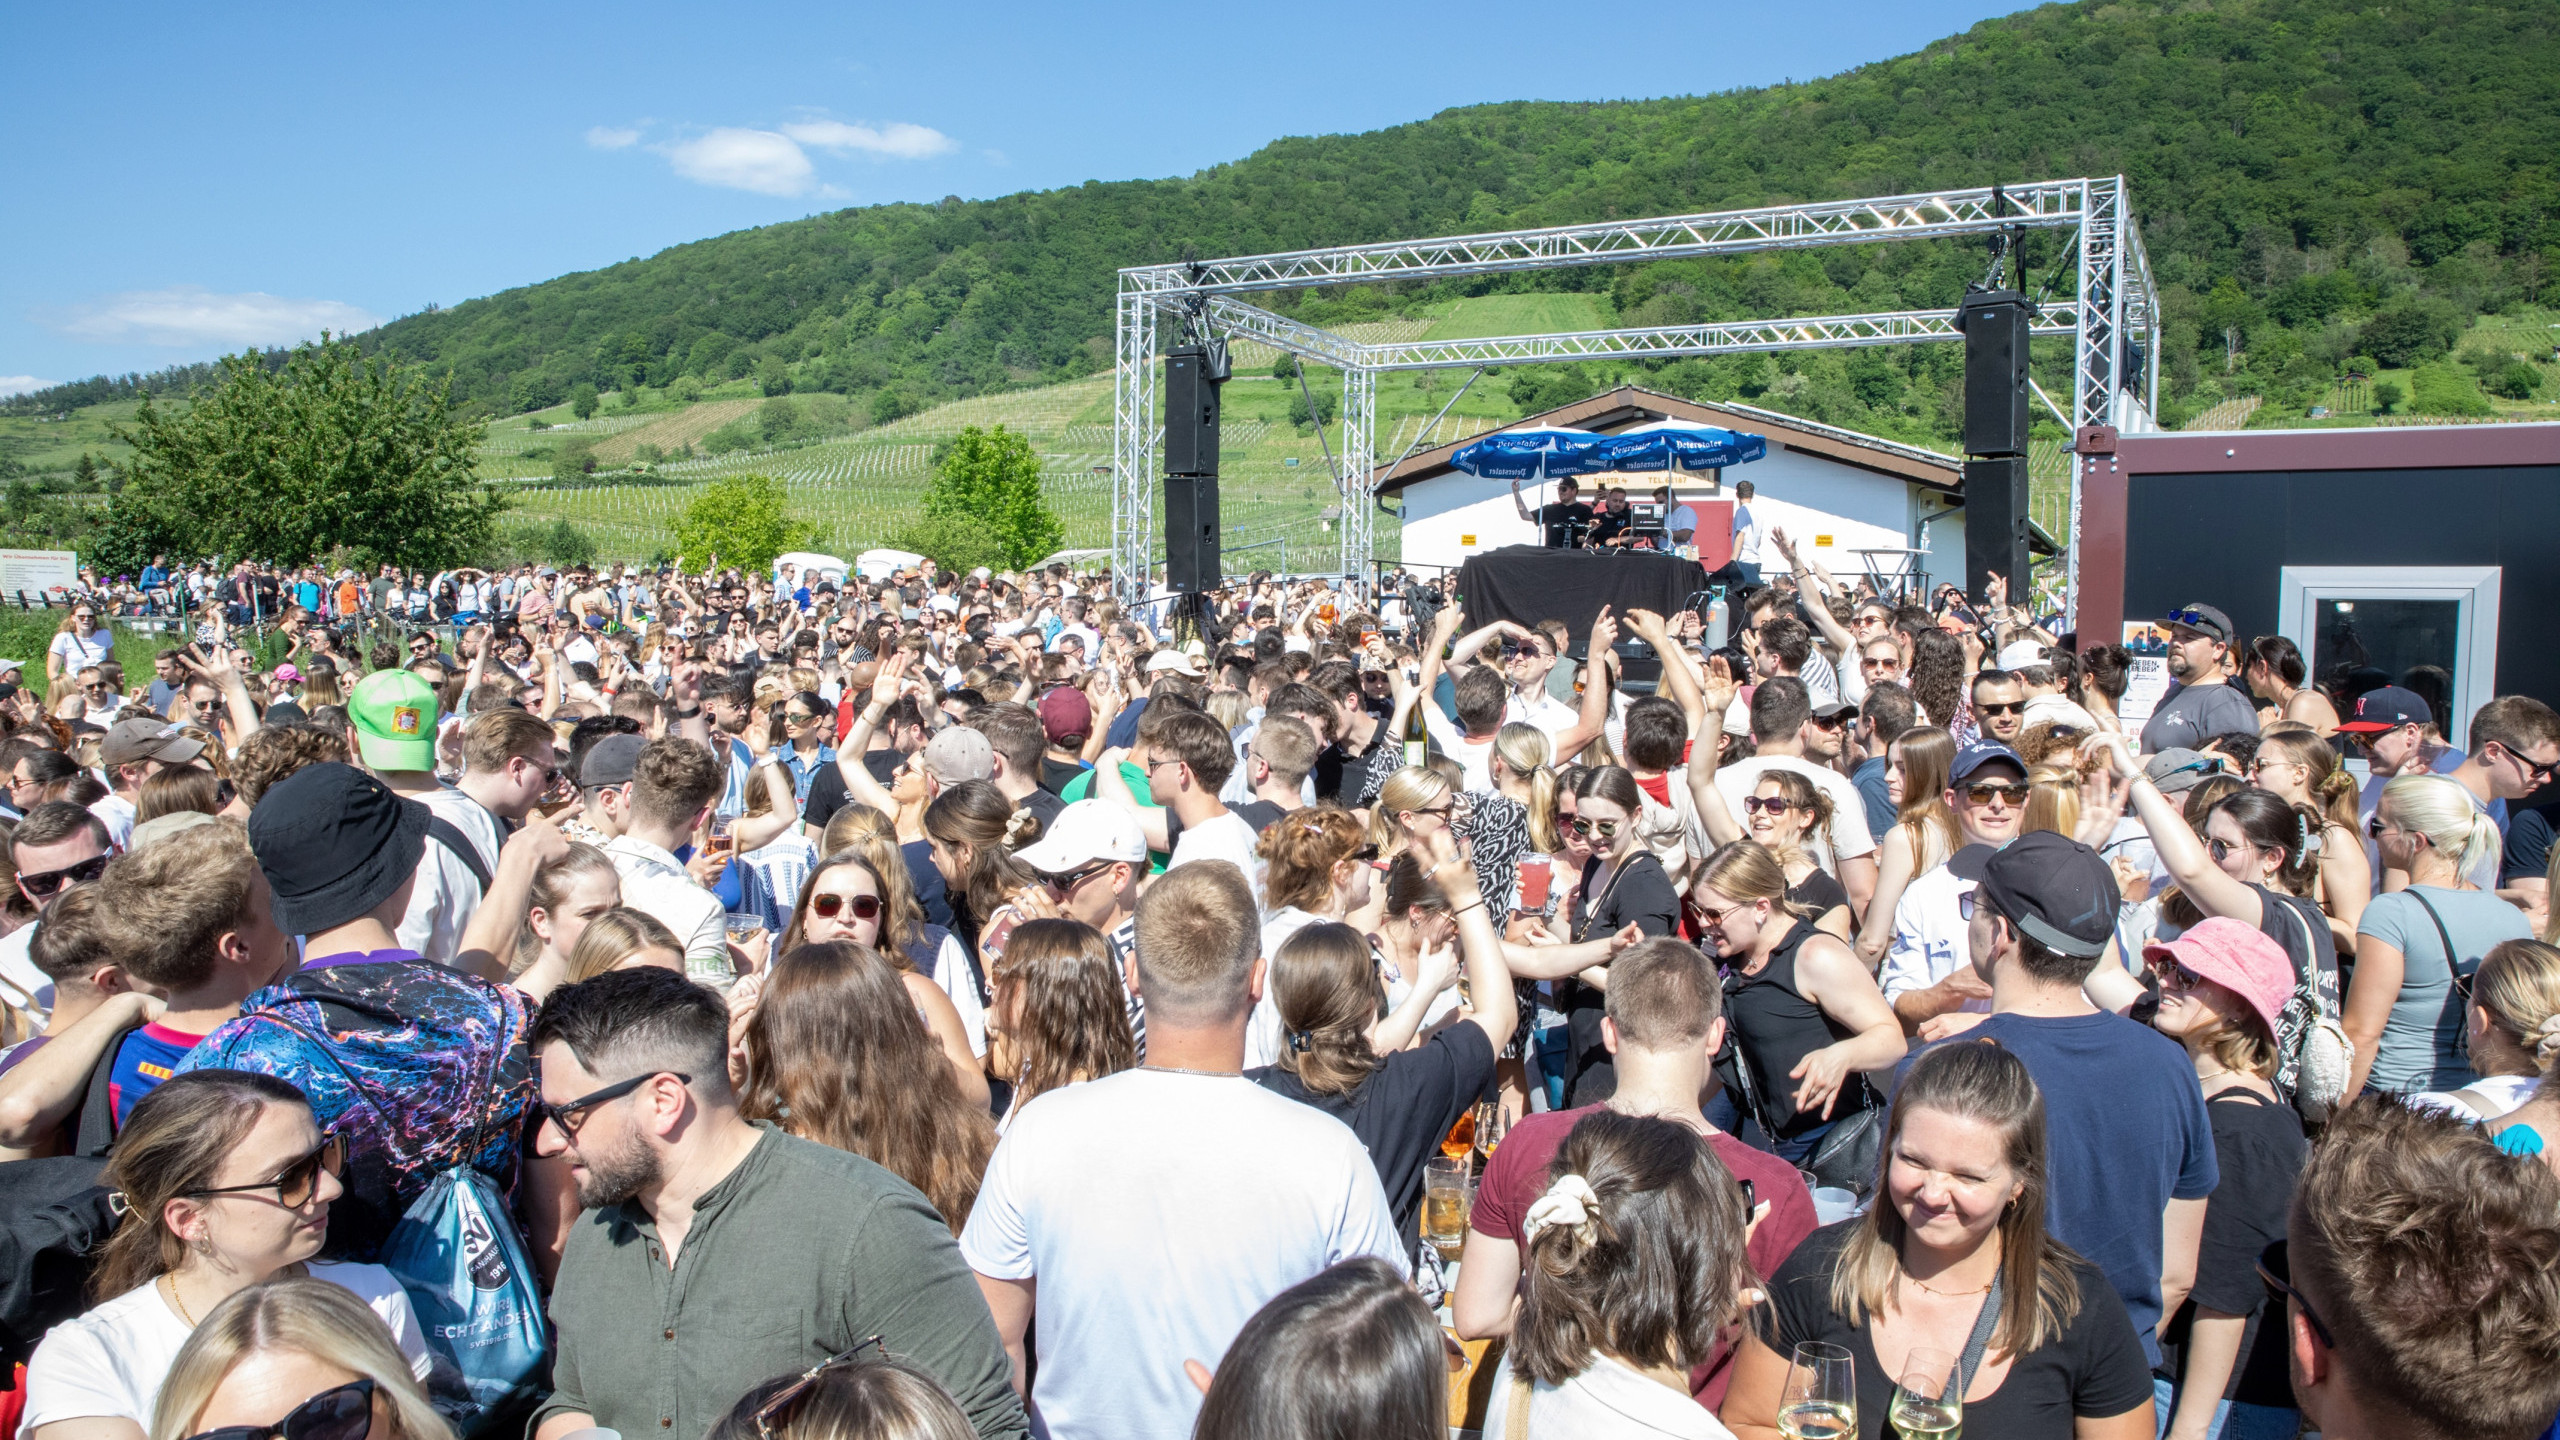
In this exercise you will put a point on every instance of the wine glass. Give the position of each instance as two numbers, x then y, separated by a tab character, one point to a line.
1821	1398
1928	1401
1490	1127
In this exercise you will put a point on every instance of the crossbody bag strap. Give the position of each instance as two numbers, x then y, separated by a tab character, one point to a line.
1515	1426
2444	937
1980	1340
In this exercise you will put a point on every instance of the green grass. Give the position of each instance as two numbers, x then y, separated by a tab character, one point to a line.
48	446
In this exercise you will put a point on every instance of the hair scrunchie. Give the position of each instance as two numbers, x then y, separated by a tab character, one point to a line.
1570	1202
1301	1041
2521	1141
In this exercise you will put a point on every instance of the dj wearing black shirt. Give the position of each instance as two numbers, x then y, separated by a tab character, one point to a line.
1562	524
1613	522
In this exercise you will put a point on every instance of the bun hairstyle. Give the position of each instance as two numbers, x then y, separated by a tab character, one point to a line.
1637	1249
2518	983
1299	852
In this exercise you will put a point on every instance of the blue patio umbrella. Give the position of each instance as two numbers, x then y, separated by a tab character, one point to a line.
1557	453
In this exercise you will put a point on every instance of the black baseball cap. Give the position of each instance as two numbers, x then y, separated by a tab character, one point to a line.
613	761
334	842
2203	617
2053	888
2388	708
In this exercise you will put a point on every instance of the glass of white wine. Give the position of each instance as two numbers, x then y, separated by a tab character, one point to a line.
1928	1401
1821	1399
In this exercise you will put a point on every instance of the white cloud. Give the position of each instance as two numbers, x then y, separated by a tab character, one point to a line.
612	137
191	316
23	384
896	141
758	160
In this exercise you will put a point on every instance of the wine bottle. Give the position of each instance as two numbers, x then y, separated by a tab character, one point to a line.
1417	734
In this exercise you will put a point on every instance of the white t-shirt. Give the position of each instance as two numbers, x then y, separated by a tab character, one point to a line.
1929	937
1846	838
2504	1092
657	885
116	813
1542	710
1746	536
79	652
109	1362
1453	742
447	892
1608	1398
1228	837
23	987
1262	1031
1149	1249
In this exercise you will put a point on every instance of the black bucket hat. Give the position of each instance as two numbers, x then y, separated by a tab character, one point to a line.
334	842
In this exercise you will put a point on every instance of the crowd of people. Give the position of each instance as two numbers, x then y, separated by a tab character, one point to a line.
957	1004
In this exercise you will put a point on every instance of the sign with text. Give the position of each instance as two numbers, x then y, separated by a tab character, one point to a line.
37	571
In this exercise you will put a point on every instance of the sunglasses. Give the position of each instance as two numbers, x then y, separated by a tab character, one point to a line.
2540	775
567	1116
1984	794
2196	620
777	1411
42	883
344	1412
828	907
1774	804
2221	849
296	1183
1716	917
1067	883
1605	829
2174	976
2275	1267
2009	707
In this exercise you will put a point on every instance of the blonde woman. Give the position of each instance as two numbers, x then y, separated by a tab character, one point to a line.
567	895
1414	803
2053	799
2415	948
1924	832
2514	1031
2300	768
1516	819
302	1359
623	939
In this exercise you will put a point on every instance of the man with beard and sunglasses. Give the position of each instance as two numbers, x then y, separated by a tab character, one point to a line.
2207	699
713	1251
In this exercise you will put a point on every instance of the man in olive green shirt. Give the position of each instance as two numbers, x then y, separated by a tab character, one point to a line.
715	1254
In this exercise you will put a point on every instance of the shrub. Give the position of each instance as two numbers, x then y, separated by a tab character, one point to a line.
2445	390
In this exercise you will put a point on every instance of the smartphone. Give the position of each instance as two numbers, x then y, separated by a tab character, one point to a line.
1537	874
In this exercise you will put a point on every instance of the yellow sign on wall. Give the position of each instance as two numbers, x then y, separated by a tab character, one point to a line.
1822	540
1466	540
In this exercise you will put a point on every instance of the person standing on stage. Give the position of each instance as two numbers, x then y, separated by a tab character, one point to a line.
1744	567
1562	524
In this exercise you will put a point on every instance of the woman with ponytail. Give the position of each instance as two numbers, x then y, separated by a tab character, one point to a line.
2514	1032
2416	948
974	830
1514	819
1634	1265
2299	768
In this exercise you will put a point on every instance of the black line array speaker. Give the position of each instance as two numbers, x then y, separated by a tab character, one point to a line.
1994	323
1191	378
1995	523
1191	532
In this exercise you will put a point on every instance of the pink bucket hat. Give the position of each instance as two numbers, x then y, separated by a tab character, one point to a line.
2236	957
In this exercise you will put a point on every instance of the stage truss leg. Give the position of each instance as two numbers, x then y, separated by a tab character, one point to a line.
2098	342
1358	488
1134	433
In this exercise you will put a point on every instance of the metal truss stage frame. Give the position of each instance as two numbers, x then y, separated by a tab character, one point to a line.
2112	310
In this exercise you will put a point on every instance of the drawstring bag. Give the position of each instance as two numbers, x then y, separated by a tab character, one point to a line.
471	1284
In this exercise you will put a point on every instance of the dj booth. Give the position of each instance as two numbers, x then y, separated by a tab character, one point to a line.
1526	584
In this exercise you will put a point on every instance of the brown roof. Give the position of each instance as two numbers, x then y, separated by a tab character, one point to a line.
1629	405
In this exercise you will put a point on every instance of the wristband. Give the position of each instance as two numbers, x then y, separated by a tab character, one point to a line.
1475	904
687	712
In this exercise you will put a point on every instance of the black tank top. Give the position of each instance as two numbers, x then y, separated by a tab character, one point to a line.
1774	1027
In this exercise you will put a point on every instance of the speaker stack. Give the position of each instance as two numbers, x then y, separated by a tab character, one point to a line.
1192	377
1994	323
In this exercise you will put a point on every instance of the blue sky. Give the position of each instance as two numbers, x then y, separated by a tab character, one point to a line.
185	180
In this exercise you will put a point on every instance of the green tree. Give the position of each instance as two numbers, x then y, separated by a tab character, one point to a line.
954	544
582	400
2386	393
333	449
84	476
740	518
1286	368
772	377
575	460
991	479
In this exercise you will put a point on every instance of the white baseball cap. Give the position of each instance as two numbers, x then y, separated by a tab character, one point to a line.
1176	661
1086	831
2020	654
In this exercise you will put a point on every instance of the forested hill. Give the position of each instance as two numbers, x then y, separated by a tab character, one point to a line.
2323	156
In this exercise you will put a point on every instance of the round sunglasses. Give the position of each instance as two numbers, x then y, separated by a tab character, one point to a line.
828	907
